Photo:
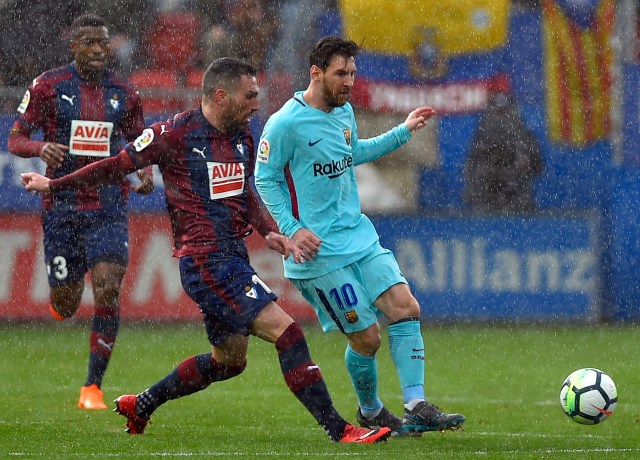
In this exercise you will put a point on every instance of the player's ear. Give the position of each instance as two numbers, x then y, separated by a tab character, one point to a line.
315	73
73	45
220	97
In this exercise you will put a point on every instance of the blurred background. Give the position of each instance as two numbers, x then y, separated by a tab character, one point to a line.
519	202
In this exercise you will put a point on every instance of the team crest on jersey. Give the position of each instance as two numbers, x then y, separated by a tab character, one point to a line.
347	136
115	102
351	316
24	103
143	140
225	179
263	151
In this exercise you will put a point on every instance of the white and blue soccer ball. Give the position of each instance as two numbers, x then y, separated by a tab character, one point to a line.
588	396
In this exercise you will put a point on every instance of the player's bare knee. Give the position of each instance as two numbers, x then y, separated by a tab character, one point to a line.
106	291
411	307
366	342
405	307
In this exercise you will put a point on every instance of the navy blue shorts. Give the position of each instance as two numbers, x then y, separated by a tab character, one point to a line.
75	241
227	290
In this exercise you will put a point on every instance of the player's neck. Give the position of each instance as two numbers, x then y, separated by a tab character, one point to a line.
214	117
314	98
89	75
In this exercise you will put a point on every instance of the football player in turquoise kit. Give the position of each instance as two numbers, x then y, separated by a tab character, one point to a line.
305	176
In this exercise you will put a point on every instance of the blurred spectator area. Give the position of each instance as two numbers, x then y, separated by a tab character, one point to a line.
393	186
164	46
172	42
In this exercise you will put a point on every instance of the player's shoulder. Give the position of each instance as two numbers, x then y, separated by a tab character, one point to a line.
189	120
119	81
174	128
51	77
287	115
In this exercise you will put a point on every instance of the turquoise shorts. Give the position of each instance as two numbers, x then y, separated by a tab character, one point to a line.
343	299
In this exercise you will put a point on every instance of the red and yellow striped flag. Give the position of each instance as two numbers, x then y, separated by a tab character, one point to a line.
578	59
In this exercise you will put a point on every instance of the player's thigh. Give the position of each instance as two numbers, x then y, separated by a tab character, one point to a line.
107	238
271	323
228	291
64	247
340	300
386	284
380	271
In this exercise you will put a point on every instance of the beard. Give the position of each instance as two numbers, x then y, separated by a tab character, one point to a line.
334	100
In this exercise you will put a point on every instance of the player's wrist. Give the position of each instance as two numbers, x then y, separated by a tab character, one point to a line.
43	146
53	185
404	133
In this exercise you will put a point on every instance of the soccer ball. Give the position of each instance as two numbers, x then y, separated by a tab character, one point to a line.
588	396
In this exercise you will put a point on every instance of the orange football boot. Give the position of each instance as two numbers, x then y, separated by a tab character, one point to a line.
55	314
91	398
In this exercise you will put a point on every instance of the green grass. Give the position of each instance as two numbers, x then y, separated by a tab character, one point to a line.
505	379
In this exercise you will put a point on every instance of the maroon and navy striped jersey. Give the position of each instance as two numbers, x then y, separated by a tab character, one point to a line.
208	182
93	119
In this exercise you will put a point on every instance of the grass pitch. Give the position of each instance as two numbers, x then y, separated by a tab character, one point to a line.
505	379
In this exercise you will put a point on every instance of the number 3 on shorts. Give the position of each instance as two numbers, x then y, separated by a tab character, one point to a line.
60	270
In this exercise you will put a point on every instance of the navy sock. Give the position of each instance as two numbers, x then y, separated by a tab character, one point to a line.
304	379
192	375
102	340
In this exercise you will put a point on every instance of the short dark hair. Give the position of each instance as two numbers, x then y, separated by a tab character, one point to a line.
86	20
225	71
328	47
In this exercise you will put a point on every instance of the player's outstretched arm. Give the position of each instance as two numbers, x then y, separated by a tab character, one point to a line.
418	118
112	169
34	182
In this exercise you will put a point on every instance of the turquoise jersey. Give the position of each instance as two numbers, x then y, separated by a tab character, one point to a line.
306	178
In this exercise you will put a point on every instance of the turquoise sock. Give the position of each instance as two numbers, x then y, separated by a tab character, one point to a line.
363	371
407	352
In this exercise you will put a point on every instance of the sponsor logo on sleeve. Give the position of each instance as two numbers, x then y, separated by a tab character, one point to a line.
263	151
24	103
143	140
90	138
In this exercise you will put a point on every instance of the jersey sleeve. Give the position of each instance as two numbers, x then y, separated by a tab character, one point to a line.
31	116
275	151
153	145
133	119
33	109
108	170
367	150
